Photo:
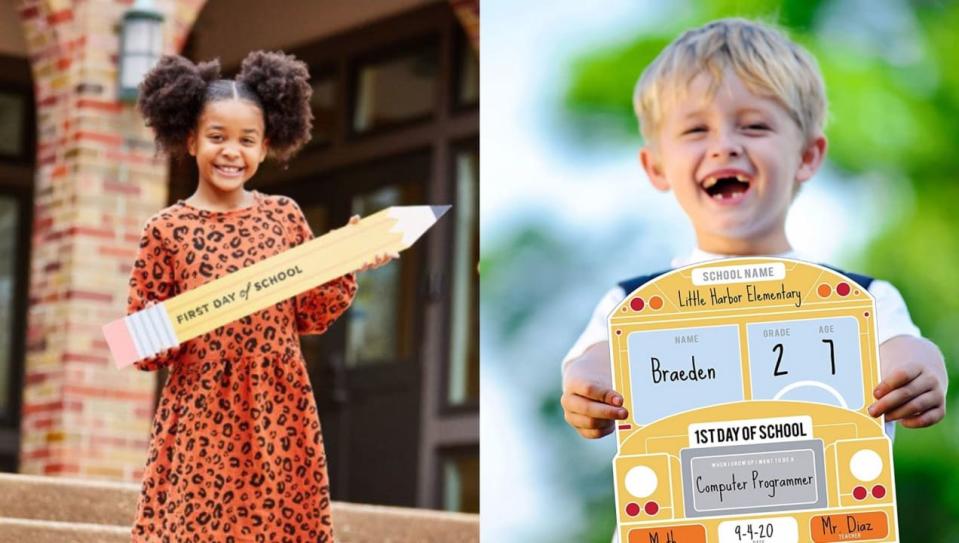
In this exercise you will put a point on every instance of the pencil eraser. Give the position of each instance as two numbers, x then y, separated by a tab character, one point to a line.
121	343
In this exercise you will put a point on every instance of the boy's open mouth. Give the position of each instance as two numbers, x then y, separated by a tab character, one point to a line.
726	187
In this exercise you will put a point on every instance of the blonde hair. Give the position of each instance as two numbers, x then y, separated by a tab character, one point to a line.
766	60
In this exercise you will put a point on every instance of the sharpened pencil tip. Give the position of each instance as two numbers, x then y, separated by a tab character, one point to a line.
438	211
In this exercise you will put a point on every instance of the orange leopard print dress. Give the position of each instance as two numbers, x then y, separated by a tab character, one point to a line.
236	453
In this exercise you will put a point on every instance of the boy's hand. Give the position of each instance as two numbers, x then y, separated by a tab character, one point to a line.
913	389
590	404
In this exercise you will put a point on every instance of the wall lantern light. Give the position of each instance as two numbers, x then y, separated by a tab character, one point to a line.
141	45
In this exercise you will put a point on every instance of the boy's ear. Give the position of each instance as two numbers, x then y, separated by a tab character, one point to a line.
811	159
654	170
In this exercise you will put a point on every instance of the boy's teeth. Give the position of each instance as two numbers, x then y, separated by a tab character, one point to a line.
710	181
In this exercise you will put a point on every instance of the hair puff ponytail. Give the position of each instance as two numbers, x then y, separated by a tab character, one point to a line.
171	98
282	84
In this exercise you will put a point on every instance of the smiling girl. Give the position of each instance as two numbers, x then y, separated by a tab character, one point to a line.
236	452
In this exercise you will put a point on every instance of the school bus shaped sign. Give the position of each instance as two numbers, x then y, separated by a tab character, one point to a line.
747	382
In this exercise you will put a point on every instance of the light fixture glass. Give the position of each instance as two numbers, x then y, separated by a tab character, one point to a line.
141	45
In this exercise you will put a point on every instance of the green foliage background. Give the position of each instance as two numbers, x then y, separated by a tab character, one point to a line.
891	115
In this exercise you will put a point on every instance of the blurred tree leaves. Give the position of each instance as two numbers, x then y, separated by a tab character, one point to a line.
893	90
883	115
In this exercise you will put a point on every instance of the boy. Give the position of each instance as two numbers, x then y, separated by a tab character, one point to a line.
732	118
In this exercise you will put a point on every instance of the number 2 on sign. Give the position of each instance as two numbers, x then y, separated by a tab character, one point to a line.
778	348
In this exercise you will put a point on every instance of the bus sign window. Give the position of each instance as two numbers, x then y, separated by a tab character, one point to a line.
707	371
814	360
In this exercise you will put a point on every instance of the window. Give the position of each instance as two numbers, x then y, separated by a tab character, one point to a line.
460	479
9	232
468	74
13	125
324	107
379	322
396	89
463	381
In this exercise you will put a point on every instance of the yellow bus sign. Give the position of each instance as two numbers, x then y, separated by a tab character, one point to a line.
747	382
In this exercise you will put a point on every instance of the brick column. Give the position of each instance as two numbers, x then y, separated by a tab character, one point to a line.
97	182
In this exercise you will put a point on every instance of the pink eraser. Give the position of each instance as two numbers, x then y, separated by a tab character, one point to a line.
121	343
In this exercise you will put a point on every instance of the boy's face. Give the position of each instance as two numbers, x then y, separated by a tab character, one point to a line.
734	162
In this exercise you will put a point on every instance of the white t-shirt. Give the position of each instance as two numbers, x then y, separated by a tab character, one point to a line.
892	315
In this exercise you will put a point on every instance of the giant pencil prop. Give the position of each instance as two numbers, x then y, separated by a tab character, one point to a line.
205	308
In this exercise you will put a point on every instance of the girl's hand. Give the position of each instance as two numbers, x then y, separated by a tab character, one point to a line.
165	352
380	260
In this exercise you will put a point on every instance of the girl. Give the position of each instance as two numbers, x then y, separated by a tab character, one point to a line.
236	452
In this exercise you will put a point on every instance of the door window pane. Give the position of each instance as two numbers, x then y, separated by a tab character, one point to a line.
13	109
467	93
323	103
399	89
463	386
9	225
373	326
460	480
317	216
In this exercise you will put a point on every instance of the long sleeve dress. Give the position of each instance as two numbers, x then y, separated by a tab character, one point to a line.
236	453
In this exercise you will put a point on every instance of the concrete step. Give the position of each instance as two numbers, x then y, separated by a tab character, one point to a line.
356	523
63	499
14	530
38	509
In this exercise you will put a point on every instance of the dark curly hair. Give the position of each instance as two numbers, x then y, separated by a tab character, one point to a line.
174	92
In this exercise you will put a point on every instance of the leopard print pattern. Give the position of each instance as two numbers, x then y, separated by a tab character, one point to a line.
236	454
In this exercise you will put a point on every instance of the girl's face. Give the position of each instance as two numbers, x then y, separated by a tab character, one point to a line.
228	144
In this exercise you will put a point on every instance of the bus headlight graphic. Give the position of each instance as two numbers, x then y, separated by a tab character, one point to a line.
641	481
865	471
866	465
643	487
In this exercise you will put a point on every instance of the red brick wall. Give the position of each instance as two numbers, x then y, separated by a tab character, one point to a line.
97	182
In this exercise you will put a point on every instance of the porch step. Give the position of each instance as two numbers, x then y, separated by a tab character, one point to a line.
63	499
357	523
39	509
15	530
